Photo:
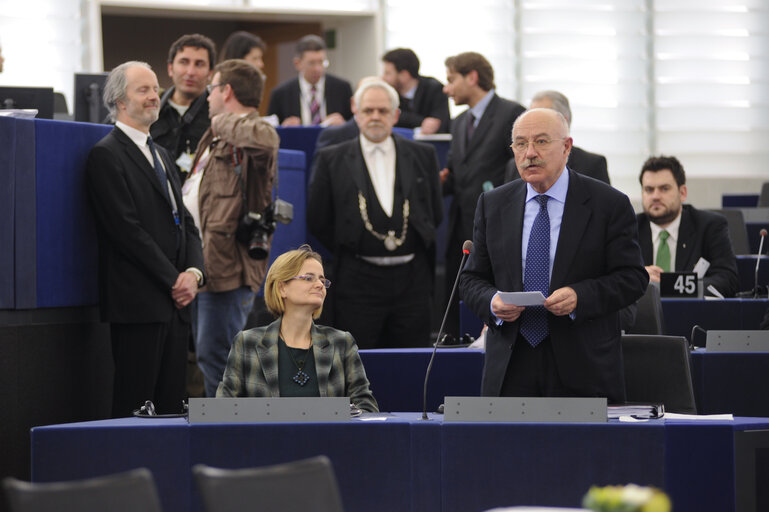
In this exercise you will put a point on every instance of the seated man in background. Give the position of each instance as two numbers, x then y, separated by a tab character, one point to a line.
423	102
584	162
374	202
314	97
675	236
183	117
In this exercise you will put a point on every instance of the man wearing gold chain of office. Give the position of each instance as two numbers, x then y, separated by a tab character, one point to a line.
375	203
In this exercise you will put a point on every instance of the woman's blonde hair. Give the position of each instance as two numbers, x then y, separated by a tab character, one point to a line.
285	267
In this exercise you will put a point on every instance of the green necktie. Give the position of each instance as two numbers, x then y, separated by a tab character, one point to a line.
663	252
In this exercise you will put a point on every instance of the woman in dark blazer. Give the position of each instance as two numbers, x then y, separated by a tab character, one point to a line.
292	356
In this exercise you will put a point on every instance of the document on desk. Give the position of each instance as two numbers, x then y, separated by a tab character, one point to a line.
522	298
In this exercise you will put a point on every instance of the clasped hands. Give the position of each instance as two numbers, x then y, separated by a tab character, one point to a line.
185	288
562	301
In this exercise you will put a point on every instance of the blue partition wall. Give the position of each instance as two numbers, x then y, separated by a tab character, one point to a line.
48	248
291	188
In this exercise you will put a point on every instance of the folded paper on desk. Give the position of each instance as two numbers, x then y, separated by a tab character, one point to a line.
643	411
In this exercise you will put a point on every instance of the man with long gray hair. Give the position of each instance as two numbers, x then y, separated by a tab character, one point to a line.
150	259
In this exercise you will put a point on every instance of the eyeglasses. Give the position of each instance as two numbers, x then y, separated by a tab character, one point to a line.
211	87
539	144
310	278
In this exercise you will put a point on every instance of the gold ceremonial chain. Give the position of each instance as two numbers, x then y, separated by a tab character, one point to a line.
390	242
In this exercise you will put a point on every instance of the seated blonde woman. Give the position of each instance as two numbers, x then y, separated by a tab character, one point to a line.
292	356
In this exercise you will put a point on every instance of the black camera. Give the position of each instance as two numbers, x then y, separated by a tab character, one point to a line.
254	229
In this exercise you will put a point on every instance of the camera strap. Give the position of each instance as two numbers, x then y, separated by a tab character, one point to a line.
238	168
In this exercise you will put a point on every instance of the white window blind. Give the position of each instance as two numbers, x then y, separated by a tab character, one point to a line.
688	78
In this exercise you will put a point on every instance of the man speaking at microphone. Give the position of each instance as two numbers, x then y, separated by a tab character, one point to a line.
575	240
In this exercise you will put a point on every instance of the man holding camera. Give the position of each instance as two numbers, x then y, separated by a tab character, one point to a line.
228	192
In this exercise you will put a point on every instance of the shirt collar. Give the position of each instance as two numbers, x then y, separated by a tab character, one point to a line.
557	191
137	136
411	92
672	228
480	107
368	147
305	86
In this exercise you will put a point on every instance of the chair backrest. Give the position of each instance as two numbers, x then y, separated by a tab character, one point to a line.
763	198
657	371
121	492
738	232
649	317
299	486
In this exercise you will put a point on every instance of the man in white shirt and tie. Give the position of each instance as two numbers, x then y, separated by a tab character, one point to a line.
314	98
375	203
675	236
150	258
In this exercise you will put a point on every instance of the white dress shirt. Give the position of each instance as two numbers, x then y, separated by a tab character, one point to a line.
672	229
305	99
380	161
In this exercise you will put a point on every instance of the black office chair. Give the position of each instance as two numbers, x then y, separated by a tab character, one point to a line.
649	318
738	233
299	486
657	371
121	492
763	198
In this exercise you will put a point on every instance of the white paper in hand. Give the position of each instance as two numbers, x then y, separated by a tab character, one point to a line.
522	298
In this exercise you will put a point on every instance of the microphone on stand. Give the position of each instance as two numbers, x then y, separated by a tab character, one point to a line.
762	234
466	248
754	292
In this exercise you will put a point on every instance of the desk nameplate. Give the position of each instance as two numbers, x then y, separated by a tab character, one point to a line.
269	410
737	341
524	410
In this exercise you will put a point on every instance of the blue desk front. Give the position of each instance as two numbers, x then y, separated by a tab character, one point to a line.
723	382
730	382
728	315
405	464
397	376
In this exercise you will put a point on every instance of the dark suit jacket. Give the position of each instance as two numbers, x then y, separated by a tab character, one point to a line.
285	98
701	234
139	256
429	101
335	134
333	215
584	162
482	159
597	255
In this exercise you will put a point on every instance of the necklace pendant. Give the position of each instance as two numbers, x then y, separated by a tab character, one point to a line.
301	378
390	243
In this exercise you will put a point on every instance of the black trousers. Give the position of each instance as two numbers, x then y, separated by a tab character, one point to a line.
384	307
532	371
150	364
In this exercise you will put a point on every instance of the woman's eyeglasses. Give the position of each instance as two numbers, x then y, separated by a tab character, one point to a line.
310	278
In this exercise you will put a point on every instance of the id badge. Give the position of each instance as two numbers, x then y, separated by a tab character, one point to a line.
185	162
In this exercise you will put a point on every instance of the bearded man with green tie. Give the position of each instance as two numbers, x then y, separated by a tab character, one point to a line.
675	236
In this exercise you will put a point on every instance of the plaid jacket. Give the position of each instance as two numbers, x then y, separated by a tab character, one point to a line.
252	367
